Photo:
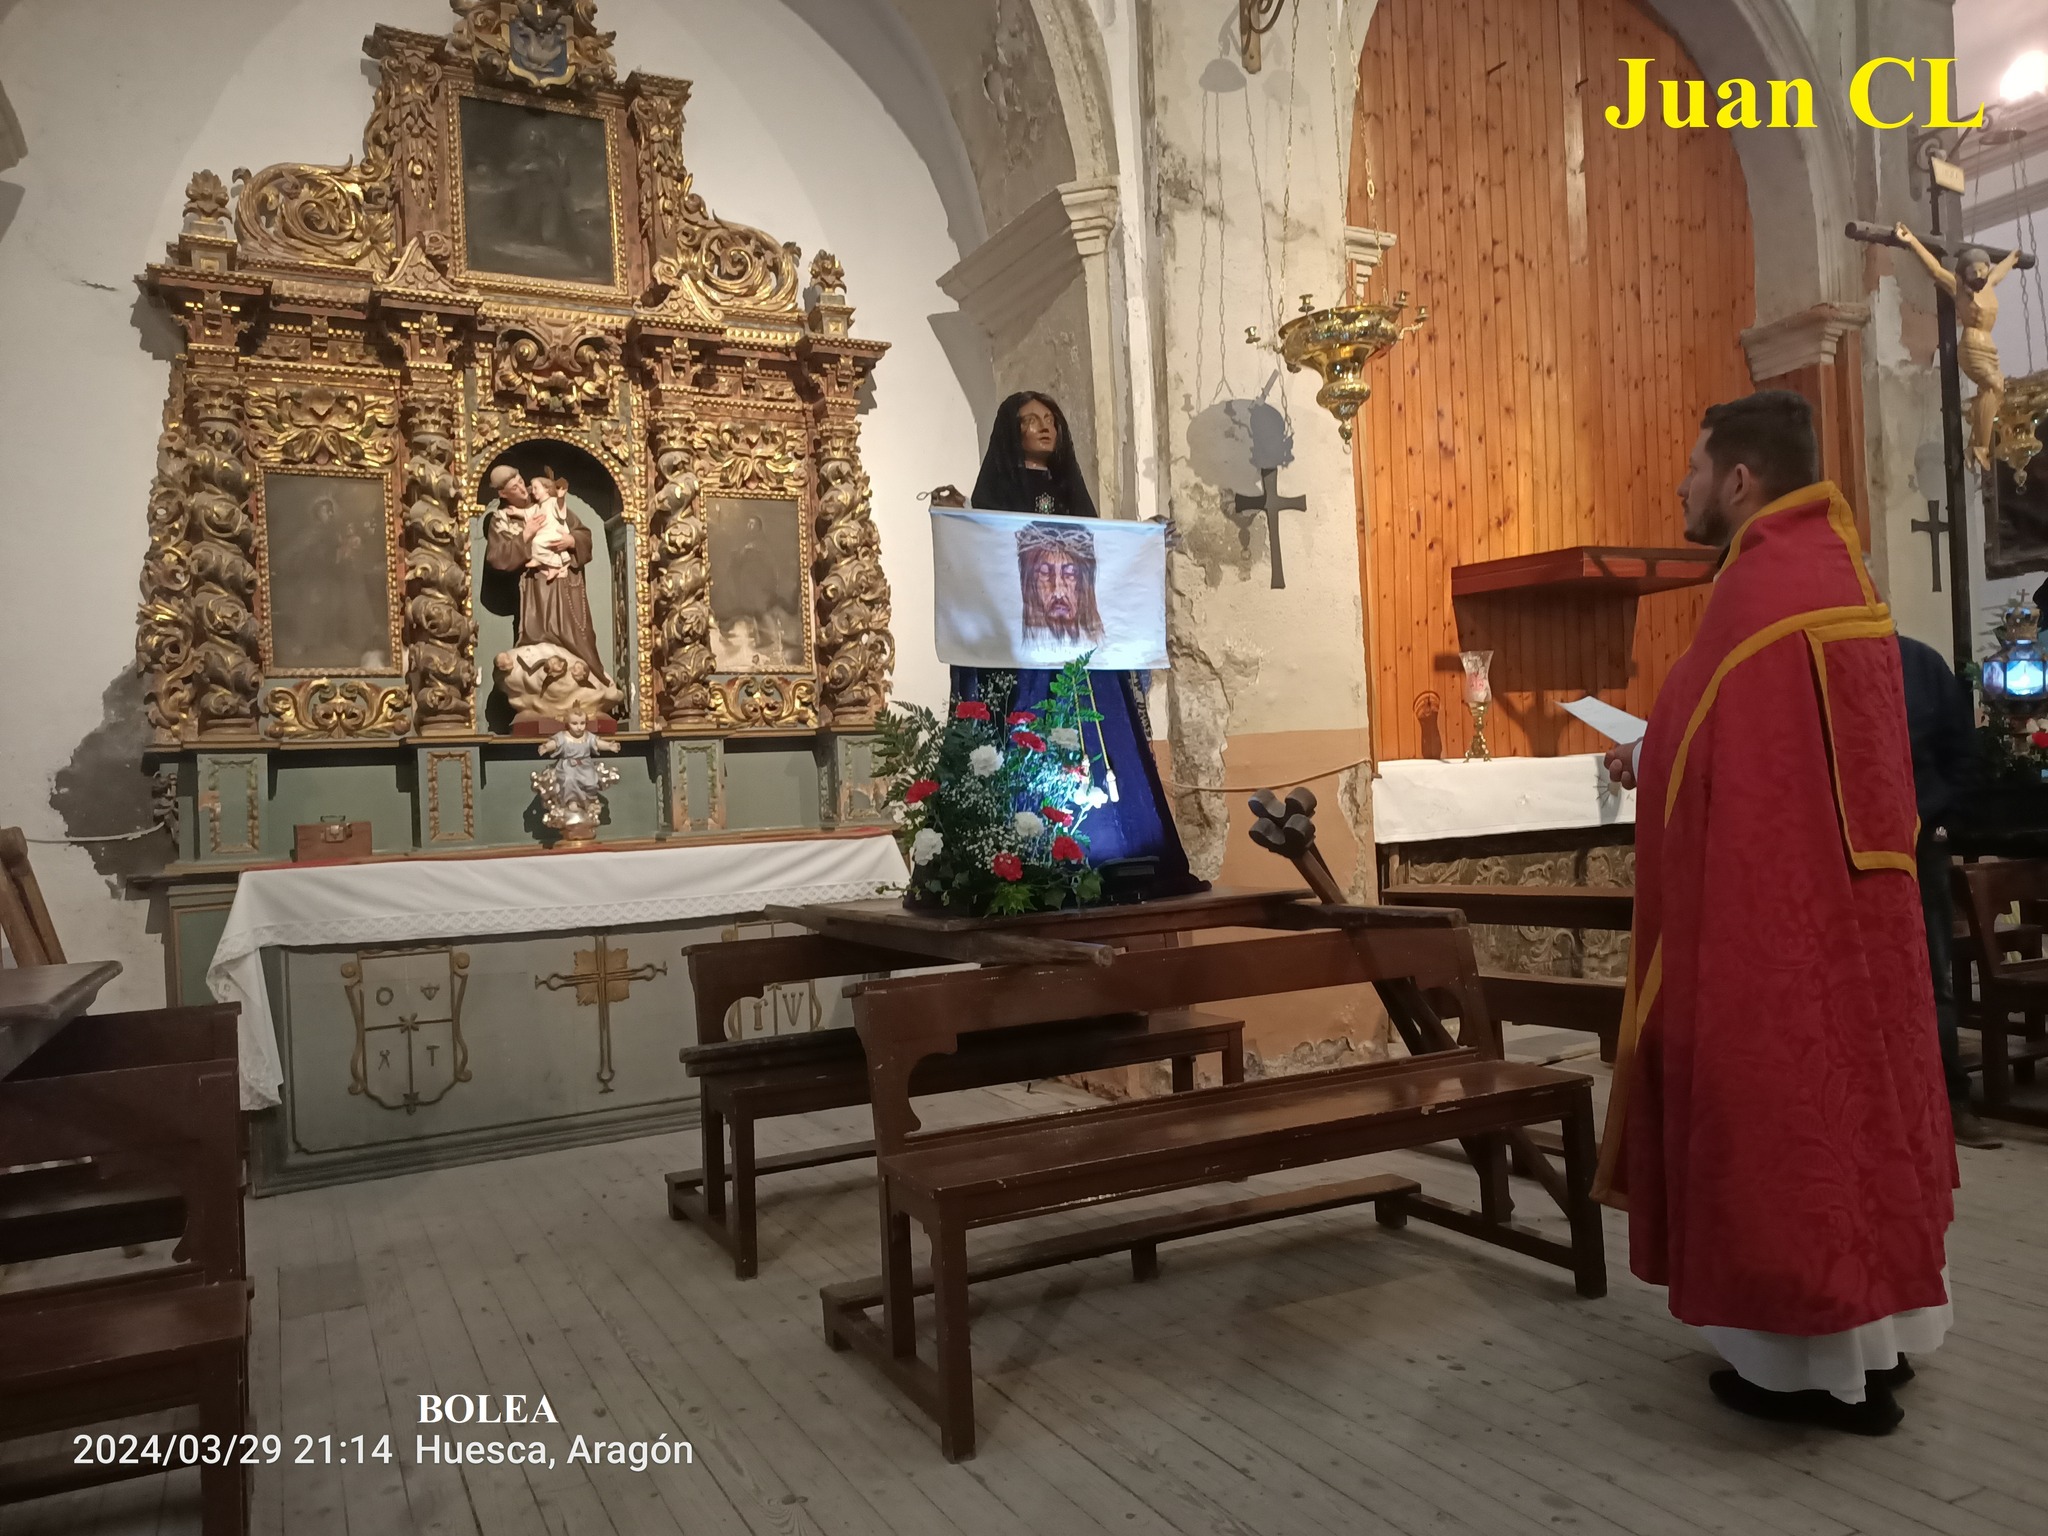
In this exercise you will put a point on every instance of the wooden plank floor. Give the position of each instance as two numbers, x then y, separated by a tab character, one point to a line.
1321	1376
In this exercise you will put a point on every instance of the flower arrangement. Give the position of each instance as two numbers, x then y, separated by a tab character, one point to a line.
992	807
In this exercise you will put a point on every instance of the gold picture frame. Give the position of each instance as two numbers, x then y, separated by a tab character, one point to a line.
322	499
536	146
762	620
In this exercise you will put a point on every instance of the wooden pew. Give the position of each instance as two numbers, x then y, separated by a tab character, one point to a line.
1589	1004
743	1082
159	1133
952	1181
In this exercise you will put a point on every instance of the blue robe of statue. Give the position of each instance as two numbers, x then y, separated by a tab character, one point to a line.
1138	823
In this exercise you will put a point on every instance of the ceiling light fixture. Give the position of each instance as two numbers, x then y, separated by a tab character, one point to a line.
2028	76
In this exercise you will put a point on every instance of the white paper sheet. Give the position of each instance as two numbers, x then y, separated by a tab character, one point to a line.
1110	590
1617	725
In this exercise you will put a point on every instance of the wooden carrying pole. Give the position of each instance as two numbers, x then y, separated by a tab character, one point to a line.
1288	828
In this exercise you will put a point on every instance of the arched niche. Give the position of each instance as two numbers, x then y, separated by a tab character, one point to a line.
1800	187
594	496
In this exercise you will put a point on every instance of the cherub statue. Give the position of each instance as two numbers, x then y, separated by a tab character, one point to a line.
1973	285
571	791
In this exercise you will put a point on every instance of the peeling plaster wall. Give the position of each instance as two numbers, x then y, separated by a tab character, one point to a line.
121	100
1240	225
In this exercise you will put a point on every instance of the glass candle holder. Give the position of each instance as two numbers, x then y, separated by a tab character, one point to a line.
1478	666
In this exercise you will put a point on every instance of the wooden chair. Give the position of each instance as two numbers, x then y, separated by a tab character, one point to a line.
743	1082
2007	984
173	1337
24	917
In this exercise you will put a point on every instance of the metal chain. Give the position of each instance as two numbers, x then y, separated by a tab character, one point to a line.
2028	297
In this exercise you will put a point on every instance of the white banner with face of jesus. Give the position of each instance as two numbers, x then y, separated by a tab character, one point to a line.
1020	591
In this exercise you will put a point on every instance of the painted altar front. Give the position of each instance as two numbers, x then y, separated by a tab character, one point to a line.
515	281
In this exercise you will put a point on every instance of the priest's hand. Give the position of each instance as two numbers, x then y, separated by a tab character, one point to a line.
1621	764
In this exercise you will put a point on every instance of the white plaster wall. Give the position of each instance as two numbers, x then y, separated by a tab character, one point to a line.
120	100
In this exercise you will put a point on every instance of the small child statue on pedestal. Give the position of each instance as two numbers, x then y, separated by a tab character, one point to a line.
570	790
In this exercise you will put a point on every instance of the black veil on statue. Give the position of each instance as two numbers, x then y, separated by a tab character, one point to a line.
1132	840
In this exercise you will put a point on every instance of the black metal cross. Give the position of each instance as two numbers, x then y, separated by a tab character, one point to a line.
1272	503
1934	525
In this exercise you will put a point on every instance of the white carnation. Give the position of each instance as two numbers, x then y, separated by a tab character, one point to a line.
1066	738
984	761
1027	825
926	846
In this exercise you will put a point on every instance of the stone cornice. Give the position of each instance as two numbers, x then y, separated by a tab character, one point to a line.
1800	340
1014	275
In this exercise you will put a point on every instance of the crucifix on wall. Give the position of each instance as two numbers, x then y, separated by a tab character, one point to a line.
1934	248
603	976
1272	503
1934	525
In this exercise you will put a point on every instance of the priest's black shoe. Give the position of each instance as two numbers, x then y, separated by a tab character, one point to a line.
1892	1379
1877	1414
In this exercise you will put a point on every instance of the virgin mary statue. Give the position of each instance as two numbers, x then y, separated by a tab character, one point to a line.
1030	467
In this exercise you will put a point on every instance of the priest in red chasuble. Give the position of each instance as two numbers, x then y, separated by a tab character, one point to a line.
1779	1130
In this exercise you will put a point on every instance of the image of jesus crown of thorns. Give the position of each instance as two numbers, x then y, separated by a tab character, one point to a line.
1056	570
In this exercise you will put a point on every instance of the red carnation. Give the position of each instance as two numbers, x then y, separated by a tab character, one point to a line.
923	789
1022	717
1067	849
1007	866
1056	816
970	709
2039	738
1027	741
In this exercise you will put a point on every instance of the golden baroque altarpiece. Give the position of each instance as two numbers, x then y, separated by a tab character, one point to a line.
517	261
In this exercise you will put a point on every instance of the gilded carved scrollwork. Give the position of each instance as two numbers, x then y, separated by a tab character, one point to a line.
164	651
752	456
681	581
702	264
320	424
440	632
227	643
556	365
330	215
855	652
400	138
320	706
765	703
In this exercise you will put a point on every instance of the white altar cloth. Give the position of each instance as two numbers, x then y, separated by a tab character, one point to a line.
410	899
1416	800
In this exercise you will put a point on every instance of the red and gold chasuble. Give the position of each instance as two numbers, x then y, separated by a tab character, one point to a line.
1779	1132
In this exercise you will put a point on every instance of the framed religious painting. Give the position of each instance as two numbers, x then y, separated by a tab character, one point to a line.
760	585
537	196
327	574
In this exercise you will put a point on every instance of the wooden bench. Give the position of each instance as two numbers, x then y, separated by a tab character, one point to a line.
1584	1003
951	1182
743	1082
170	1337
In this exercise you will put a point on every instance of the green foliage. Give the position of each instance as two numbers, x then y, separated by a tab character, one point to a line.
984	803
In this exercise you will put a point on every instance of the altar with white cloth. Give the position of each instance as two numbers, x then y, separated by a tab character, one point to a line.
410	1012
1420	800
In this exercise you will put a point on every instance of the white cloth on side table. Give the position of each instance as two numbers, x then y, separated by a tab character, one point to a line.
403	900
1417	799
1832	1362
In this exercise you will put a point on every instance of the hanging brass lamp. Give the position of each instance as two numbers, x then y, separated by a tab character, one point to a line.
1338	342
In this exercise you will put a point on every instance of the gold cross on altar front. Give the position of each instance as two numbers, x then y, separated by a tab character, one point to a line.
602	977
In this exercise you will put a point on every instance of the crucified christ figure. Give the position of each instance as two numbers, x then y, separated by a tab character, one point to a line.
1973	285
